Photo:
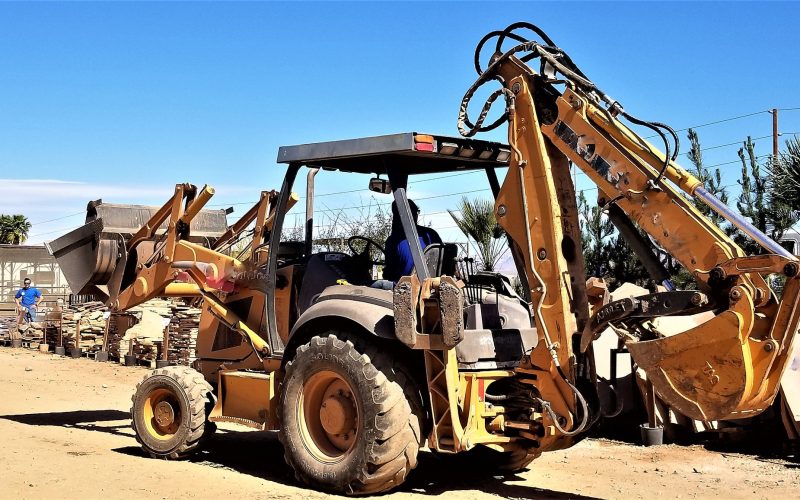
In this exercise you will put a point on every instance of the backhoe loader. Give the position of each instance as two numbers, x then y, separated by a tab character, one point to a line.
356	378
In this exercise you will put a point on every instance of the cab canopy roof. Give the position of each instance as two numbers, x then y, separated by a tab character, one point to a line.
406	154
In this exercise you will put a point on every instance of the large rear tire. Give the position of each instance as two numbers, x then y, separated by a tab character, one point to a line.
170	410
346	422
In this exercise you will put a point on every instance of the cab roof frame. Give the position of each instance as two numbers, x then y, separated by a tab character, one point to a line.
407	153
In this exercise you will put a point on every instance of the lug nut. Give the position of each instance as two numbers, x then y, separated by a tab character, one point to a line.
542	254
736	294
790	269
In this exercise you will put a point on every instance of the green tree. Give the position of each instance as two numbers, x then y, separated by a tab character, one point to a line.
333	231
14	229
478	223
595	230
605	252
624	265
712	181
785	178
761	201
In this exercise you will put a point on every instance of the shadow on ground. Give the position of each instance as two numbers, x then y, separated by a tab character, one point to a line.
760	438
260	454
87	420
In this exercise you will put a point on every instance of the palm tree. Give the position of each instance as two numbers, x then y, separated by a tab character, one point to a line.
478	223
14	229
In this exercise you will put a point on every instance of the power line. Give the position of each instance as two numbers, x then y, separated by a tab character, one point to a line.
724	120
49	232
59	218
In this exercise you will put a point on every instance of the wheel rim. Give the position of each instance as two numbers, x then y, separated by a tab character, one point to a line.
328	415
162	414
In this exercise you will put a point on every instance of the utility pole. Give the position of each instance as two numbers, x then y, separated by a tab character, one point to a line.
774	136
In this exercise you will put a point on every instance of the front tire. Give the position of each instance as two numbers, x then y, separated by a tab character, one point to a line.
346	423
170	411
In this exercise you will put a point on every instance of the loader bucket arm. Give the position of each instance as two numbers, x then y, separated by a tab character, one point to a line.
726	368
101	257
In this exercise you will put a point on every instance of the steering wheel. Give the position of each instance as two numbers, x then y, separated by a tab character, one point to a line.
366	255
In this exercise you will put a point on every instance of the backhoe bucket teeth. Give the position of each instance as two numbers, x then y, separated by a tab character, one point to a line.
721	369
701	373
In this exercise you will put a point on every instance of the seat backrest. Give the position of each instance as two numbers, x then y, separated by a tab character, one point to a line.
324	270
440	259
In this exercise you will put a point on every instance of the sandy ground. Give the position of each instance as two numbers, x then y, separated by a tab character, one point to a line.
64	432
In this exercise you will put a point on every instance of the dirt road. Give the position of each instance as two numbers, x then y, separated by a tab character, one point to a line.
64	432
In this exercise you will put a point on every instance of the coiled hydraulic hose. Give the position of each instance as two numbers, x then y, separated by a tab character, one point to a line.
559	61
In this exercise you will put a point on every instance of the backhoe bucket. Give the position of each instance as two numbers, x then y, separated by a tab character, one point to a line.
724	368
88	256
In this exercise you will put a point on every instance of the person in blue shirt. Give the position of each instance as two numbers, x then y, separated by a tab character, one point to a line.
399	261
27	300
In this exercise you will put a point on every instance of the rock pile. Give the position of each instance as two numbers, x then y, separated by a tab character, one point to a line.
182	322
84	325
183	328
88	320
29	332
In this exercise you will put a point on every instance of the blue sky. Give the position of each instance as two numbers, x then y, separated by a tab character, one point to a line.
121	101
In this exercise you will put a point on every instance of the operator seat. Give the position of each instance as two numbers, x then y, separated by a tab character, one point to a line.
440	259
326	269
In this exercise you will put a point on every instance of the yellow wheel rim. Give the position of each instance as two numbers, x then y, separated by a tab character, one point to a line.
328	415
162	414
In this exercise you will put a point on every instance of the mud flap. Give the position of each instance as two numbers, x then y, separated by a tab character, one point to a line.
406	296
451	307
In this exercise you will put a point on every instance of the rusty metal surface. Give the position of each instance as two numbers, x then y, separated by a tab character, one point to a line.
89	256
86	260
127	219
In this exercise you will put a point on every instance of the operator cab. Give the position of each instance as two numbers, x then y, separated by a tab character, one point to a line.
390	160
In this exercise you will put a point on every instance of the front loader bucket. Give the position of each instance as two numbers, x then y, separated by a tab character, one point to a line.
206	226
86	258
90	255
724	368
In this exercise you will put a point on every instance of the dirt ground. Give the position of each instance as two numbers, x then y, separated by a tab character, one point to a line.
65	433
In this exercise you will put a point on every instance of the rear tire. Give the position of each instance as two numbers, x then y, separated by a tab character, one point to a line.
170	411
347	424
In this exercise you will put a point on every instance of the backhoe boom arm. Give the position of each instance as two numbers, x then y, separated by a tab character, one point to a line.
725	368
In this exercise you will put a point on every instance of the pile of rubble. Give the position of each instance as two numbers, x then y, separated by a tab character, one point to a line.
32	332
183	329
88	321
138	331
7	325
29	332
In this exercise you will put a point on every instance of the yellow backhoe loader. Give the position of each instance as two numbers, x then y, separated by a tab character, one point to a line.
356	378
